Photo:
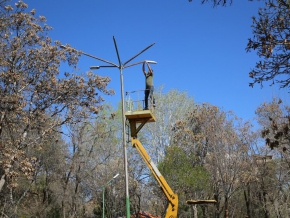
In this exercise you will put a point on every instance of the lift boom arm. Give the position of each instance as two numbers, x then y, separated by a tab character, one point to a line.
172	208
141	118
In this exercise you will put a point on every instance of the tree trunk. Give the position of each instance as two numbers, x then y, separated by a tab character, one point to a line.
226	214
194	211
204	211
2	182
247	199
217	206
266	212
63	209
226	207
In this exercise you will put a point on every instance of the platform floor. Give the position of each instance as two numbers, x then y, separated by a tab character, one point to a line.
140	116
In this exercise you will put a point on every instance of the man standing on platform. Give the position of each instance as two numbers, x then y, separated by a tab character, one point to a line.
149	85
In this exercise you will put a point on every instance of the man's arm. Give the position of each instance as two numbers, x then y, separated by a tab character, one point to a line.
143	68
150	71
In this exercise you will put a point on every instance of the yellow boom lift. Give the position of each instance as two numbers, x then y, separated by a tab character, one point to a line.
137	120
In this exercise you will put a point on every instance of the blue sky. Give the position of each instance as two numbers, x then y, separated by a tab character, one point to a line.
199	49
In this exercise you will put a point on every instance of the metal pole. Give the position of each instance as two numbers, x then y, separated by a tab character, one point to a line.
124	145
103	202
104	187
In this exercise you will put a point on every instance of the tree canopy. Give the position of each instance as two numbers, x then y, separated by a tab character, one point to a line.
271	41
35	99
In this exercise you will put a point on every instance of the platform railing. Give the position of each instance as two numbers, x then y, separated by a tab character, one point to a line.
135	101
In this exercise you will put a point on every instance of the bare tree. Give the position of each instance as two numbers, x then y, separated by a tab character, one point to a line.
274	119
217	141
35	99
271	40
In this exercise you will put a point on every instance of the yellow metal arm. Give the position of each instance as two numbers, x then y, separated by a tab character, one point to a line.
137	120
172	208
